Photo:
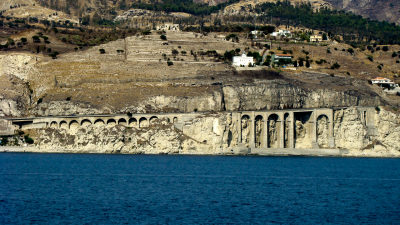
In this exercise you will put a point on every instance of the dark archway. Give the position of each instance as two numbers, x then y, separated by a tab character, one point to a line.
54	125
259	131
85	123
99	122
133	122
63	125
122	121
73	125
273	131
153	118
111	122
246	130
143	122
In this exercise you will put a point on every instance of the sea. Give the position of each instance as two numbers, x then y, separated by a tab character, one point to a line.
192	189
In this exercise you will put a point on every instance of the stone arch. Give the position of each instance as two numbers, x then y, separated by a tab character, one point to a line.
323	131
86	122
286	131
175	120
143	122
302	130
99	122
111	122
153	118
132	122
273	131
122	121
54	125
73	125
246	129
63	125
259	125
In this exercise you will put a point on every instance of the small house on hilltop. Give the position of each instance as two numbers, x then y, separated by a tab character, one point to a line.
276	57
242	60
167	26
384	82
281	33
316	38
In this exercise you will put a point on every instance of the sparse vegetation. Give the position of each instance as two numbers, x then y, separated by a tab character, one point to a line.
335	66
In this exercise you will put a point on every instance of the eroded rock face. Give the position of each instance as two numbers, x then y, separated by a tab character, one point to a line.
349	132
160	138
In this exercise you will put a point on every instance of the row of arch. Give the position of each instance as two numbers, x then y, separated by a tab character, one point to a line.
279	131
131	122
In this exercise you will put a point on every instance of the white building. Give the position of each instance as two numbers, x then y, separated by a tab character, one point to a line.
242	60
381	80
281	33
165	27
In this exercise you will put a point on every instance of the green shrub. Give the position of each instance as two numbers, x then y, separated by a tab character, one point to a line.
29	141
169	63
163	37
335	66
377	109
102	51
40	100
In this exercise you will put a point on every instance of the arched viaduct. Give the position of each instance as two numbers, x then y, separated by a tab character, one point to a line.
256	129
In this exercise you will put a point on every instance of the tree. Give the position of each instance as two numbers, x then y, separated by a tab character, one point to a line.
295	63
301	63
308	64
385	48
175	52
36	39
335	66
169	63
163	37
24	40
350	50
102	51
394	54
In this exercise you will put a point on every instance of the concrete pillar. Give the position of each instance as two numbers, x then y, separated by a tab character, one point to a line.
291	130
330	130
252	130
314	130
239	118
265	131
281	134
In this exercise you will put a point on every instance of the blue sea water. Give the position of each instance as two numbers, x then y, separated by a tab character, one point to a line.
165	189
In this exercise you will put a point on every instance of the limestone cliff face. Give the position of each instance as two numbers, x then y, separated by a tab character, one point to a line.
278	94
